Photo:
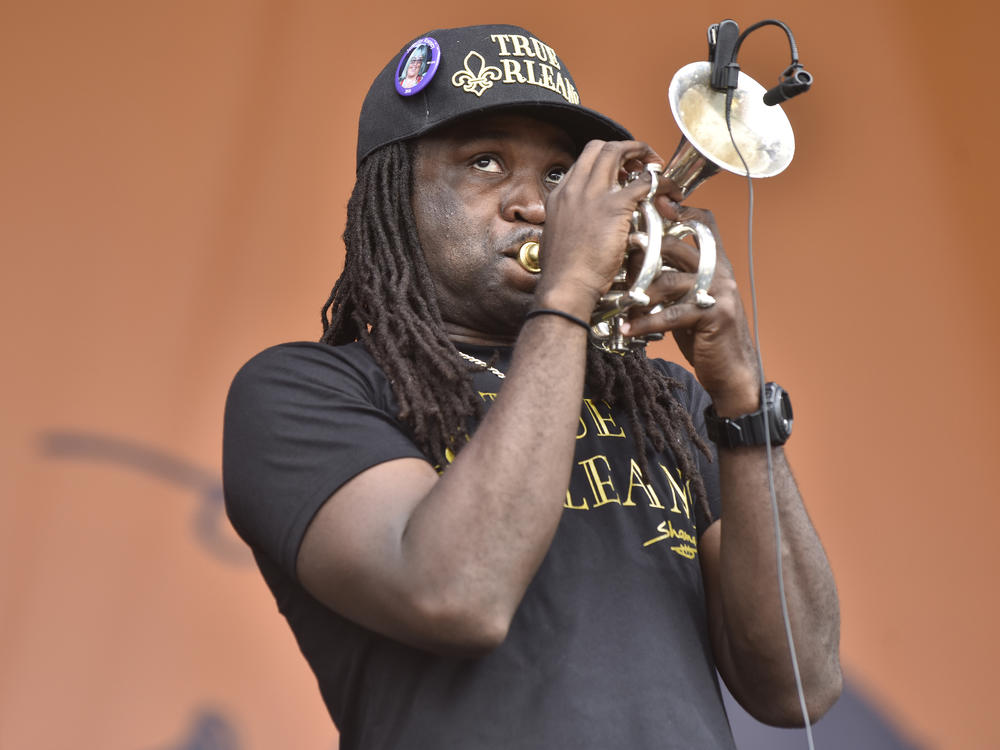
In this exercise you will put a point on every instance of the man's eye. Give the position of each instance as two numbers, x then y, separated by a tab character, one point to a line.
555	175
486	163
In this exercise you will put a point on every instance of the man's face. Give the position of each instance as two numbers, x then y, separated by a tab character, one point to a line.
479	193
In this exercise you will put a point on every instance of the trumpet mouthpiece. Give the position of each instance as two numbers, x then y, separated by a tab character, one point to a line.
527	256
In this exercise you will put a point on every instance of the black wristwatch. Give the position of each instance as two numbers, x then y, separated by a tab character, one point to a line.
749	429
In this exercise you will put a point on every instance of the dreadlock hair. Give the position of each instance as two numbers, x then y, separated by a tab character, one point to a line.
386	299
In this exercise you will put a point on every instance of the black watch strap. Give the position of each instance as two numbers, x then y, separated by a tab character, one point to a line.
748	429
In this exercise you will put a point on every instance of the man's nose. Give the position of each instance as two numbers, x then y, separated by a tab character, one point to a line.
525	201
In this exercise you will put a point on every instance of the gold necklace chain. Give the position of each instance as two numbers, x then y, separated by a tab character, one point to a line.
477	361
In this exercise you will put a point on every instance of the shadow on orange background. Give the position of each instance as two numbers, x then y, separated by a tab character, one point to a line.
174	177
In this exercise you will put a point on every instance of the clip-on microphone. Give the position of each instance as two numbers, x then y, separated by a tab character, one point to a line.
724	40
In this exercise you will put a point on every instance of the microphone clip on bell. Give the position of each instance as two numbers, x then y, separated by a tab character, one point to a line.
723	43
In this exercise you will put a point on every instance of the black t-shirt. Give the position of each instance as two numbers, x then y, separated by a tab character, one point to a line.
609	647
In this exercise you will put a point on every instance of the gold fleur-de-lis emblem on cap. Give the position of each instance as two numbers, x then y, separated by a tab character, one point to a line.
472	81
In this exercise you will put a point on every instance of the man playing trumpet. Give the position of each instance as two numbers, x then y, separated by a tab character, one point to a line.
483	530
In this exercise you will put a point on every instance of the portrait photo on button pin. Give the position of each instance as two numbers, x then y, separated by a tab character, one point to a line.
417	66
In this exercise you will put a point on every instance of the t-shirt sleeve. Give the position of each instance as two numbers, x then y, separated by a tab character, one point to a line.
696	400
300	421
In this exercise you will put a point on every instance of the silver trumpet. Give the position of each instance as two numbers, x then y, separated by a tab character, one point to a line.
765	140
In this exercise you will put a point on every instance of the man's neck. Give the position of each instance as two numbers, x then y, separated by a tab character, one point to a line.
463	335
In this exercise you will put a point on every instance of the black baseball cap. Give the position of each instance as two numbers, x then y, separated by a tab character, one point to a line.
447	74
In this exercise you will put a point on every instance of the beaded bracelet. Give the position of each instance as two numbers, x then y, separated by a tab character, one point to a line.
560	313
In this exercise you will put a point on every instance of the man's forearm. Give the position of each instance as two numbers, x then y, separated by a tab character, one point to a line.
483	530
755	635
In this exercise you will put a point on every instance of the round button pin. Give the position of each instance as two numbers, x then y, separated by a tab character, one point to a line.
417	66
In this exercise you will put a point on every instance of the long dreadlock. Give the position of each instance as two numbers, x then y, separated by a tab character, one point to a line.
385	298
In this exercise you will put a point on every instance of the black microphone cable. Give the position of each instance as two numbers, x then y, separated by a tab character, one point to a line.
794	80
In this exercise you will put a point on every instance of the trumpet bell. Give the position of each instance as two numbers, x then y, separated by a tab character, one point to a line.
763	133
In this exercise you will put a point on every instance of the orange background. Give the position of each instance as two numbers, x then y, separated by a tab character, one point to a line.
173	178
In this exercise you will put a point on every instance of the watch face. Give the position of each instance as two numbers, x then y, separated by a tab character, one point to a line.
779	407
